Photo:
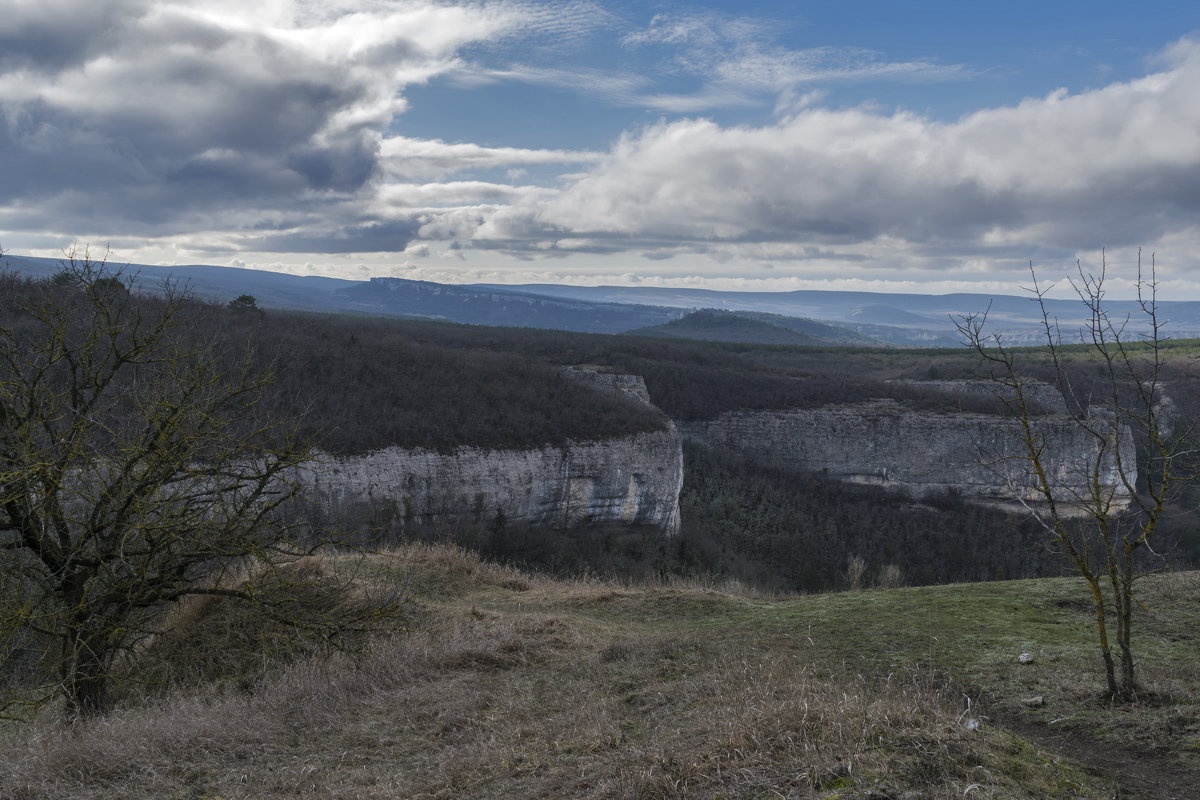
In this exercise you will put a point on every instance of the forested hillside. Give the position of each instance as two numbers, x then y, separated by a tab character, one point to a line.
361	383
699	380
356	384
366	382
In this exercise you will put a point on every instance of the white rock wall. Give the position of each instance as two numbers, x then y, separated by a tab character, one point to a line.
977	455
634	480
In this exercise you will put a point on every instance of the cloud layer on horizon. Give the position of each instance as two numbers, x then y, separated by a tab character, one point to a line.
218	128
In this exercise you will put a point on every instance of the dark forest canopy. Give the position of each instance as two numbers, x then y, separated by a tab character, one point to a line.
700	380
360	383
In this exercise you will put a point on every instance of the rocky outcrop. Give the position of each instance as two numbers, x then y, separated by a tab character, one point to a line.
631	387
975	455
633	480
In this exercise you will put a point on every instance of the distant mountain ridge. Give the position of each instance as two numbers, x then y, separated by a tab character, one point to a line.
913	320
397	297
400	297
756	327
270	289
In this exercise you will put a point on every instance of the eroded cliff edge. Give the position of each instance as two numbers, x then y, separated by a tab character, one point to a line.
974	455
637	479
632	480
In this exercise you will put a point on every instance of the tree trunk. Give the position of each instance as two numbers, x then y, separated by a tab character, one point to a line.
1124	588
83	668
84	676
1110	671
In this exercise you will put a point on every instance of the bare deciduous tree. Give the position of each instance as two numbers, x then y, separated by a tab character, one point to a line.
1106	520
134	469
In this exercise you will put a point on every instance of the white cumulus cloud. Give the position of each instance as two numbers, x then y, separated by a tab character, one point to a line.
1118	165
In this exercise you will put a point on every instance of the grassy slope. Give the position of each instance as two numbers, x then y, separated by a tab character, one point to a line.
516	686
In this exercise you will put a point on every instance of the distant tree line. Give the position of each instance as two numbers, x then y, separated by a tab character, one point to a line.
366	383
801	532
700	380
363	383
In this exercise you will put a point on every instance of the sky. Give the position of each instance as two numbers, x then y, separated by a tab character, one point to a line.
761	145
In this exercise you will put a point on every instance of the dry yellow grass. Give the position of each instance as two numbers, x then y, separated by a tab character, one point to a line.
513	685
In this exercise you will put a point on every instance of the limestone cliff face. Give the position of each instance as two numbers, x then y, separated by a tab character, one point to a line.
634	480
976	455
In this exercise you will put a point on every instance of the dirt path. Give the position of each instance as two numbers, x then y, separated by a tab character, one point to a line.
1139	776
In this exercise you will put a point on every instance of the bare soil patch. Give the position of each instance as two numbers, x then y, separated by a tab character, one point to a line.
1139	776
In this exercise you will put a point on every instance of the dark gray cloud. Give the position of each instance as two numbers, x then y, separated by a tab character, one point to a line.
156	117
193	121
48	36
362	238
